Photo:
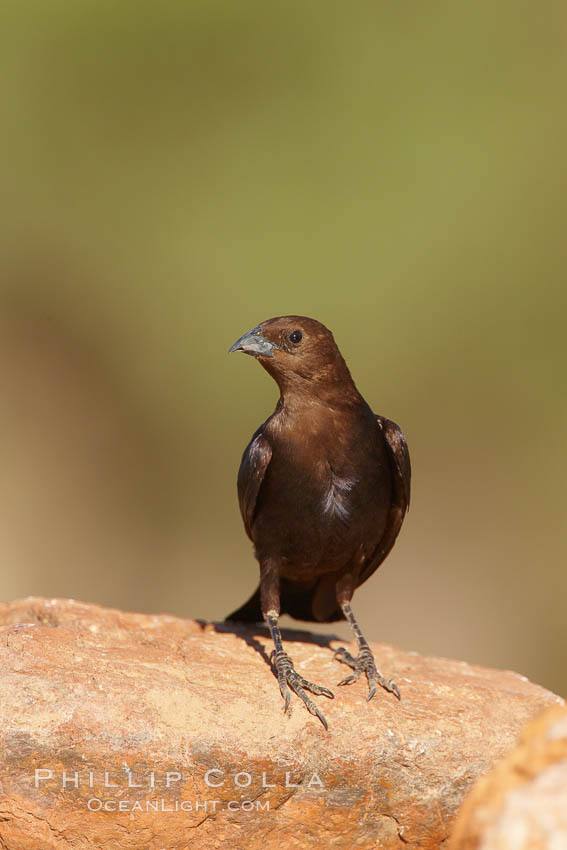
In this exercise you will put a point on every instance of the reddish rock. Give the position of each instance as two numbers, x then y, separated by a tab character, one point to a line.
522	803
123	730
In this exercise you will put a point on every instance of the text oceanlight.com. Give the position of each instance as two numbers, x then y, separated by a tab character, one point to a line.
95	804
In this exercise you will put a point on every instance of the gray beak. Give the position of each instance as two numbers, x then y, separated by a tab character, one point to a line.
254	343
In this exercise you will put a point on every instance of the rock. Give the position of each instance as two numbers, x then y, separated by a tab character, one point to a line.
123	730
522	803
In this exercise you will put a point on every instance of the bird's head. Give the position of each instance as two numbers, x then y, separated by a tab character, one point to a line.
299	353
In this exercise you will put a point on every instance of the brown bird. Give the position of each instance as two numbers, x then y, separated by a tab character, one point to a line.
323	487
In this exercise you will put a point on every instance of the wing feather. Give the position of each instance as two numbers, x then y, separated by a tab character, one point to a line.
255	460
398	456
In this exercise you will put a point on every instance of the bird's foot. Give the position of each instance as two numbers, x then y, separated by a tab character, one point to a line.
287	676
364	663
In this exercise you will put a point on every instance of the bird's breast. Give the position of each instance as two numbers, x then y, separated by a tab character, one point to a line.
324	497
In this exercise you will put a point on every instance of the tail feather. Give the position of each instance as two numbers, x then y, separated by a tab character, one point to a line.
250	612
296	599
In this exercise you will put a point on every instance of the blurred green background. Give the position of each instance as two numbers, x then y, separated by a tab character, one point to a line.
172	174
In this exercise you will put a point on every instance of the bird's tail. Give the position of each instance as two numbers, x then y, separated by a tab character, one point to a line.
296	599
250	612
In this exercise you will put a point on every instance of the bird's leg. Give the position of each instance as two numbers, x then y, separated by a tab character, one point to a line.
364	661
288	676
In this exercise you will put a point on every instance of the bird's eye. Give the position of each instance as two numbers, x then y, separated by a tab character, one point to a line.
295	337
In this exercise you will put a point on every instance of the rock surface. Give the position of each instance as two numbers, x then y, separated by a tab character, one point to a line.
123	730
522	803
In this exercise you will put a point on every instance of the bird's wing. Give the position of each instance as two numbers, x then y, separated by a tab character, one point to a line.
253	466
398	456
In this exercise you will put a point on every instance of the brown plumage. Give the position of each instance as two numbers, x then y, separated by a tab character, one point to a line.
323	488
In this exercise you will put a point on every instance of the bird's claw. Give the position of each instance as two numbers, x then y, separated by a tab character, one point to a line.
364	663
288	678
348	680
